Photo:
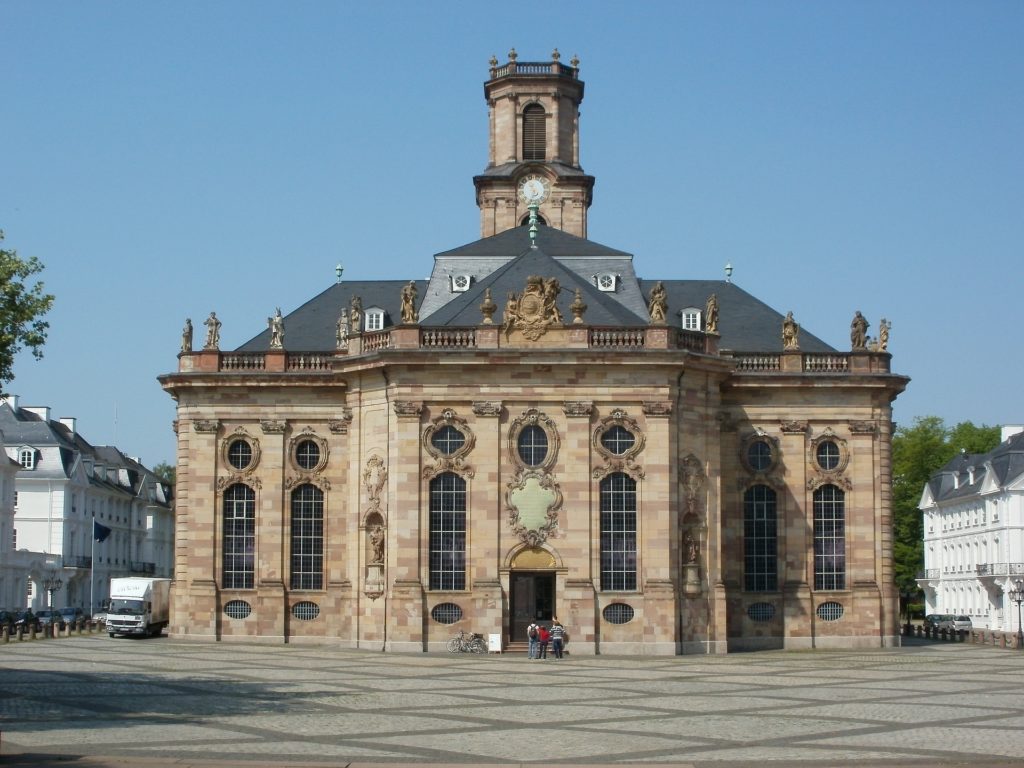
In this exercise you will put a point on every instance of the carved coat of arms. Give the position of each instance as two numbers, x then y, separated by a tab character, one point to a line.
535	310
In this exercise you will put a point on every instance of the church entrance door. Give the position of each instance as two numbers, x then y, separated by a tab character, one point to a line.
532	599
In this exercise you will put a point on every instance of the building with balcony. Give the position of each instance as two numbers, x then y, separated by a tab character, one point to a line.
63	485
536	431
974	534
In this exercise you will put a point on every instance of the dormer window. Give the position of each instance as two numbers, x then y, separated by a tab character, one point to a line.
374	319
461	283
691	319
606	281
27	458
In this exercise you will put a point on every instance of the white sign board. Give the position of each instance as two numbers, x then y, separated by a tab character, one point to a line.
494	643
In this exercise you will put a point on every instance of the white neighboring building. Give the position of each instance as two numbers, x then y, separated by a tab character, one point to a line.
63	484
14	565
974	534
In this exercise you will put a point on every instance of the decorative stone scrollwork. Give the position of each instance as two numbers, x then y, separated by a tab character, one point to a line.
449	440
759	455
375	475
273	426
692	478
657	408
533	499
793	427
206	425
321	482
340	425
577	408
534	418
487	408
863	427
408	408
619	455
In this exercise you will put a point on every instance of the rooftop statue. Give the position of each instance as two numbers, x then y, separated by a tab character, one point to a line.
409	314
859	331
790	333
186	337
658	304
276	325
212	332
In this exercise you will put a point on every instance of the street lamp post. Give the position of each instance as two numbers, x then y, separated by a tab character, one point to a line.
52	584
1017	596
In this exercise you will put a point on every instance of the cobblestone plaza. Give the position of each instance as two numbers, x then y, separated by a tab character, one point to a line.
92	701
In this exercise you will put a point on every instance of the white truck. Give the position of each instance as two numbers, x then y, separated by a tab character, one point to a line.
138	606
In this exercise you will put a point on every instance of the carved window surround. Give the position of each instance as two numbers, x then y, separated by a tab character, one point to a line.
456	460
767	475
622	462
818	476
246	474
533	417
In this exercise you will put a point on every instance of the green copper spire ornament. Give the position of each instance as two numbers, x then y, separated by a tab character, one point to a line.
533	207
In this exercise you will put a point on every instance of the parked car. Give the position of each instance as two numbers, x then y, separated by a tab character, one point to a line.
936	620
7	619
72	615
27	620
48	617
961	622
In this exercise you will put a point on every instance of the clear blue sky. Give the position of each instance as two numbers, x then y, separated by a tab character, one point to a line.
168	159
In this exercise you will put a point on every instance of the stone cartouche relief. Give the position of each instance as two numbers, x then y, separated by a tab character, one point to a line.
656	408
273	426
534	310
577	408
232	474
454	461
863	428
487	408
408	408
375	475
314	474
817	475
624	461
532	497
206	425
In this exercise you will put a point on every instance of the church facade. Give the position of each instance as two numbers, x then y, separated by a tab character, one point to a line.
536	432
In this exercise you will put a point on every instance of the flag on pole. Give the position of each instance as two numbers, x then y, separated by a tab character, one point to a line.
99	532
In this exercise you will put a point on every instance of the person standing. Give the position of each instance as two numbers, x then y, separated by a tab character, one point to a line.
557	636
543	636
533	635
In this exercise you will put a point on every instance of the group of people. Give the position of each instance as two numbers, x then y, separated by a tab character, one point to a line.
541	636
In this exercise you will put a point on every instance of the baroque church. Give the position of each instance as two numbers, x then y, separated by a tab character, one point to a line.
535	432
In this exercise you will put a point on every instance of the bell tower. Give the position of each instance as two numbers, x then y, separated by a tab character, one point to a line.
534	112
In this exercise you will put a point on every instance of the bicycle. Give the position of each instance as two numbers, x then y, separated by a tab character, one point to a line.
467	643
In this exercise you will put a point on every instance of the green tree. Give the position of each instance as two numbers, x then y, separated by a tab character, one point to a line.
917	452
166	472
21	309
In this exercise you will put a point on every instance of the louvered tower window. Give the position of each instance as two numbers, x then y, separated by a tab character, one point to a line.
533	132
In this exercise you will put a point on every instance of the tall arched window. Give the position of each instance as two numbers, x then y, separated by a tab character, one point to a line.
760	558
533	132
239	537
618	532
307	537
829	538
448	532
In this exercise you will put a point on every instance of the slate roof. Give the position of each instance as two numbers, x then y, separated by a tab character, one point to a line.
504	261
1005	461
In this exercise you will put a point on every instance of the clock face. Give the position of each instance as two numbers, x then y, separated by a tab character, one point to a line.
533	189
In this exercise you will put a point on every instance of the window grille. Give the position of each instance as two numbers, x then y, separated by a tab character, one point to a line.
830	611
828	455
307	454
761	612
237	609
618	613
759	456
618	532
448	532
239	537
305	611
760	523
446	613
534	140
307	537
829	538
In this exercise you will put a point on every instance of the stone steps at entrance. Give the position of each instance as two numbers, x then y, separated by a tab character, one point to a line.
519	646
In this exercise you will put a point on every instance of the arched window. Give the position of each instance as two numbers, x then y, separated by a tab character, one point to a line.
239	537
307	537
533	132
618	532
760	558
448	532
829	538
